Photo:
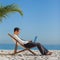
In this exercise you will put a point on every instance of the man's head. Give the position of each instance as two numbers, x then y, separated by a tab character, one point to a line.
16	30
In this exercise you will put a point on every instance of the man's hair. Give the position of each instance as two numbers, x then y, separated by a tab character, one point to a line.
16	29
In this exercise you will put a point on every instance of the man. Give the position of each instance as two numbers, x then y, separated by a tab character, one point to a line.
29	44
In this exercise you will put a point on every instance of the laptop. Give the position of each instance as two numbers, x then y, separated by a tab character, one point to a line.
35	39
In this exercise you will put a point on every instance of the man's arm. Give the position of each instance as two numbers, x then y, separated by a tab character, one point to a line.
21	40
27	41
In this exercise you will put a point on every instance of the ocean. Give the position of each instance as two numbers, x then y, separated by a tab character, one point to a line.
12	46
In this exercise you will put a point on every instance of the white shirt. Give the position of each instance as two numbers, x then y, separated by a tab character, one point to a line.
20	40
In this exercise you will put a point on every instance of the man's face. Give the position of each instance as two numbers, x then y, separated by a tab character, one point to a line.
17	32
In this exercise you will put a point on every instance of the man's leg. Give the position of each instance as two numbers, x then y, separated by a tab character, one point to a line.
39	46
42	49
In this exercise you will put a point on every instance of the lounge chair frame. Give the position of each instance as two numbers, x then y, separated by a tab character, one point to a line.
16	45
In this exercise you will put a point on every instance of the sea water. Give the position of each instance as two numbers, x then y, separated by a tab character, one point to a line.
12	46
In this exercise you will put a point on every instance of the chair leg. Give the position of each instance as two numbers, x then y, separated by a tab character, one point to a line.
32	52
15	48
21	51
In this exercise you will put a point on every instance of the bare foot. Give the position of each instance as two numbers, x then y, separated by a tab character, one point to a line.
49	53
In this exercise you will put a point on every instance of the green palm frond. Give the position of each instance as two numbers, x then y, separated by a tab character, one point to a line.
5	10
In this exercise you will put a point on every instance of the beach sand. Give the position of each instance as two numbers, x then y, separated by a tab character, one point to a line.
28	56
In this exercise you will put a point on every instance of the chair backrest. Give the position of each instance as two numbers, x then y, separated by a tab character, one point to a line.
16	40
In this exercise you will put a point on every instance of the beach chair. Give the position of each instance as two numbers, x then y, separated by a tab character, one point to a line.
16	45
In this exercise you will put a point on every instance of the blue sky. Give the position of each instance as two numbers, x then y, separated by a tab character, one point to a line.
41	18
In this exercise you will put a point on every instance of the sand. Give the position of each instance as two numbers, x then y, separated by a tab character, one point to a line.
28	56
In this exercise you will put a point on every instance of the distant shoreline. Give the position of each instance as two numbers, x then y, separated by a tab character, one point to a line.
12	46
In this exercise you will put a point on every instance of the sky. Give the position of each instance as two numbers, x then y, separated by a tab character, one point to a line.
41	18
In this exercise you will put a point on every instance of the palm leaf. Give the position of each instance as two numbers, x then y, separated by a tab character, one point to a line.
5	10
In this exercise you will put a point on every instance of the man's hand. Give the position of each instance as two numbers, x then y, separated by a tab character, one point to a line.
30	41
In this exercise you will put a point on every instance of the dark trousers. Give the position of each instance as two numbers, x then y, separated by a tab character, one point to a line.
41	48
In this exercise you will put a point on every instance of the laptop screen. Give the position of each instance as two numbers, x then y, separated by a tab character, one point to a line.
35	38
